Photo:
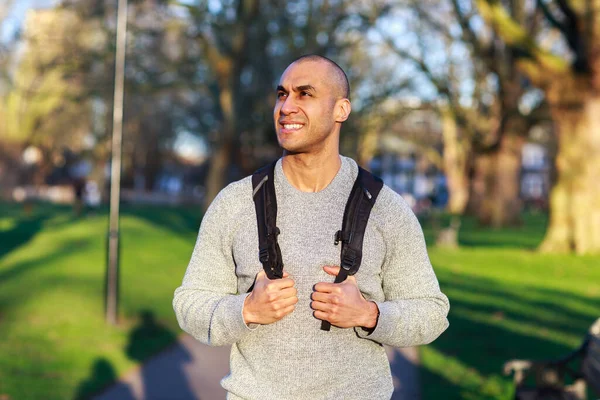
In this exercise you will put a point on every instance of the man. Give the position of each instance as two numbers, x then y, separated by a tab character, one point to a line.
278	349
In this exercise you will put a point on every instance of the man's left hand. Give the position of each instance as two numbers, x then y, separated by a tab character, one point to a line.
342	304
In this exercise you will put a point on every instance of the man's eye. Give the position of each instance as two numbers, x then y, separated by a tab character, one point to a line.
280	94
304	94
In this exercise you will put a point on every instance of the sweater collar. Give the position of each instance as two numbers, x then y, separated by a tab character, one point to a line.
342	182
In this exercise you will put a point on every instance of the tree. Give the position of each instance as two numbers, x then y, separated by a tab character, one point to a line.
571	82
481	93
5	8
64	83
244	45
42	106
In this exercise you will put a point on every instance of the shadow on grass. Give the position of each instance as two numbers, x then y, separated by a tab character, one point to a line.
180	220
443	388
28	221
527	236
147	338
160	377
101	372
31	265
550	309
24	229
490	323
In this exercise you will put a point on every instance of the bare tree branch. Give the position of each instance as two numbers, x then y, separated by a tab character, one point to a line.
468	33
439	84
550	17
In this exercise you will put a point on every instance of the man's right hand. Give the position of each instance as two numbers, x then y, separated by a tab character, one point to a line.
270	300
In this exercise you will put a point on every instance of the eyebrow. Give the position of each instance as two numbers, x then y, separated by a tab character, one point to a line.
300	88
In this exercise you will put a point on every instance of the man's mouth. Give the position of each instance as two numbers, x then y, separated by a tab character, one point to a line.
291	127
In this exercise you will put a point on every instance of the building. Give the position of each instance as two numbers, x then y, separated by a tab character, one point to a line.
535	175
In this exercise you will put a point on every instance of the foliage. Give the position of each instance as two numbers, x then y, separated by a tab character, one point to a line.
46	83
196	67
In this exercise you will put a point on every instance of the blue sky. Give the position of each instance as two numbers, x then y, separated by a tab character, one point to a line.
15	17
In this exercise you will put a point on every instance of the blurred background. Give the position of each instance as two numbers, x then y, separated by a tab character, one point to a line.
483	114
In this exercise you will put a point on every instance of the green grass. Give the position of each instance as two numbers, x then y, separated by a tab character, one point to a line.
507	301
54	343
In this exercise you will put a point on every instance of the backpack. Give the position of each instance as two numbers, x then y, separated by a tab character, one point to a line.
356	215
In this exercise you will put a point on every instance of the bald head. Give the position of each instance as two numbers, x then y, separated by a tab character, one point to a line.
339	80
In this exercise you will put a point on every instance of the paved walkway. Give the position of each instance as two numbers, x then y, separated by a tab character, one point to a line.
190	370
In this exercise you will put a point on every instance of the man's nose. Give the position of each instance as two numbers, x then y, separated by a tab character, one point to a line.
289	106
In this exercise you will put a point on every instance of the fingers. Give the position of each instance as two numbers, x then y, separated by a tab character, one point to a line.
335	270
287	310
332	270
270	300
325	302
276	295
323	316
274	284
279	284
283	307
285	303
326	287
288	292
261	274
324	297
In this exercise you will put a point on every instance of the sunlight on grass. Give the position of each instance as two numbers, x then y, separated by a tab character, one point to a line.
531	329
506	301
52	268
469	382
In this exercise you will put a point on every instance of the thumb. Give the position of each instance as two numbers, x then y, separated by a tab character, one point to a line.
352	279
331	270
261	274
285	274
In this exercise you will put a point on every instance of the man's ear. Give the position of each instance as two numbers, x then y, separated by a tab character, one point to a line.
343	109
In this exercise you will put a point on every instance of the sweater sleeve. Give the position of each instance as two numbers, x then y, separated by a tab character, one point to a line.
414	310
207	304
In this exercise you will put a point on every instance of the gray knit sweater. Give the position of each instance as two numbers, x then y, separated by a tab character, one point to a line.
292	358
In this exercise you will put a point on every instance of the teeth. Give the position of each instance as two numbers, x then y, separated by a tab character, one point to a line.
292	126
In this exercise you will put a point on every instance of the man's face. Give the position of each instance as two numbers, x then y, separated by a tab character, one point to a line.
304	111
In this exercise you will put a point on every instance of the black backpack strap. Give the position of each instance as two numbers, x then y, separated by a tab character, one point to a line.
265	204
356	215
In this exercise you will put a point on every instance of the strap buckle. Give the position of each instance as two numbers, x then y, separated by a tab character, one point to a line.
348	259
263	255
274	234
341	237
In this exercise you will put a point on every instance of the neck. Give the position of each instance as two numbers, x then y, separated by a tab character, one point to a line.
310	173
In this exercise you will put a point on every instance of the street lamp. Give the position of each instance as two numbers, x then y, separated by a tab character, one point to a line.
112	270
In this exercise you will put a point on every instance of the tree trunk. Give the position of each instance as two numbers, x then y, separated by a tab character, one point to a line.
367	144
575	198
153	159
480	174
455	165
215	181
500	204
221	157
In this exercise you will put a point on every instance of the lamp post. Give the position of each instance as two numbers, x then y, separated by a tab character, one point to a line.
112	270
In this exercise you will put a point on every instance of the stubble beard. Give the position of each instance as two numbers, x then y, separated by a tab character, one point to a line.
313	143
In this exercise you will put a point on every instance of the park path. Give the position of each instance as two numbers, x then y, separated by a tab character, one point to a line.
190	370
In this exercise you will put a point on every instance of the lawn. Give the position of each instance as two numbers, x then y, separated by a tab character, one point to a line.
54	343
506	301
